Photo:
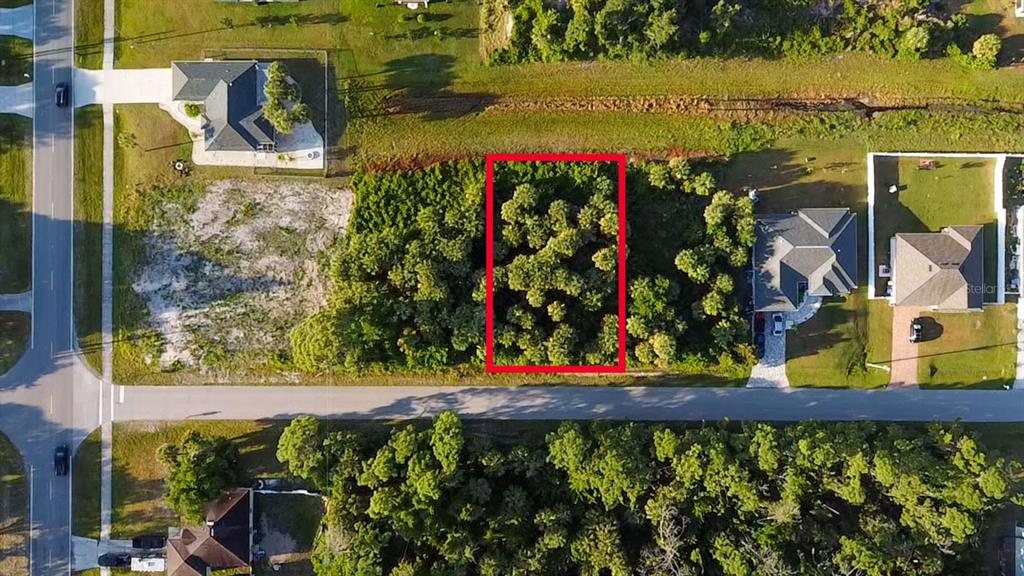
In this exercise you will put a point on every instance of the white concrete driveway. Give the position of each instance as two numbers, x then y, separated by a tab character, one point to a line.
116	86
17	100
18	21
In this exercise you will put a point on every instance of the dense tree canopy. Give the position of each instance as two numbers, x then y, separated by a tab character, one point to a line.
200	469
588	29
556	264
623	499
409	275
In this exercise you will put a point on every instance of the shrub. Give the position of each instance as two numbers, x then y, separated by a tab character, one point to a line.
913	43
421	18
986	51
193	110
315	343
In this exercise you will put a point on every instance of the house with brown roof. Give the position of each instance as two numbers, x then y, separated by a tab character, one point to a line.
224	541
943	270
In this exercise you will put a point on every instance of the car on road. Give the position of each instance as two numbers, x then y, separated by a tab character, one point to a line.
61	95
916	330
114	560
60	460
778	324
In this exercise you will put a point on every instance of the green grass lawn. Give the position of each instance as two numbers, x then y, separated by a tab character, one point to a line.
15	203
16	55
89	34
958	191
138	478
89	232
15	329
974	350
85	518
375	51
830	349
14	522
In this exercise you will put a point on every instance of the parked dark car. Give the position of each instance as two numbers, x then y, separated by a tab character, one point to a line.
112	560
60	460
61	95
916	329
149	542
759	343
759	322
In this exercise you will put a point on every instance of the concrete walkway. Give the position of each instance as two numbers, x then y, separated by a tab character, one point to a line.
122	86
112	81
18	21
16	302
1018	382
17	100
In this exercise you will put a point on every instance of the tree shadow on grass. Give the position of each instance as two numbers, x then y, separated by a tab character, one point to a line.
422	83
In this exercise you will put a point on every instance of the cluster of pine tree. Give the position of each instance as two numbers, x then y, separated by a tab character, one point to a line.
625	499
556	264
616	29
409	283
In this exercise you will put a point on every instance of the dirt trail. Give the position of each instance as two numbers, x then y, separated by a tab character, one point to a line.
745	108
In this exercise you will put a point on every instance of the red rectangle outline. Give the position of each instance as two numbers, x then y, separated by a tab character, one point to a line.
620	159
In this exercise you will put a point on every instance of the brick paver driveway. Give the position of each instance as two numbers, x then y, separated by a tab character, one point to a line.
904	353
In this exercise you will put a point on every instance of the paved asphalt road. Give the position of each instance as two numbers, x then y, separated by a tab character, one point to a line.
567	402
48	398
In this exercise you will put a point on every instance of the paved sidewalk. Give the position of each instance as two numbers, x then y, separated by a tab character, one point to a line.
18	21
17	100
158	82
16	302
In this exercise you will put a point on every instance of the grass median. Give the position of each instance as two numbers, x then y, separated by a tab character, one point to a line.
16	54
15	330
89	34
14	521
85	519
15	203
89	233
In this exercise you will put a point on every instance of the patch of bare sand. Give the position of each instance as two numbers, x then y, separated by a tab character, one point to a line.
236	269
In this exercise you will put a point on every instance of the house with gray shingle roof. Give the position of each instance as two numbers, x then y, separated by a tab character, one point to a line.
944	270
810	251
232	91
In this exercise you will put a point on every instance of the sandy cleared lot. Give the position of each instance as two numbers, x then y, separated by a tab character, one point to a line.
234	270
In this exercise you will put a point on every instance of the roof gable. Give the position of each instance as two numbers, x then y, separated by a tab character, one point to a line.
941	269
231	91
223	542
816	247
